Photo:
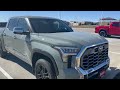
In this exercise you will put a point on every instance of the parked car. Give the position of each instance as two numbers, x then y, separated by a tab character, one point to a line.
53	49
108	30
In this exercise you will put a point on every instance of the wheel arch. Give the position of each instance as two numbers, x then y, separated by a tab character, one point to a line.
103	30
37	54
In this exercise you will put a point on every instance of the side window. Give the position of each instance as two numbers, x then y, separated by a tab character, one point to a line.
12	23
22	23
116	24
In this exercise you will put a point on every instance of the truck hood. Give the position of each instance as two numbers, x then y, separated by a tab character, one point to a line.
76	39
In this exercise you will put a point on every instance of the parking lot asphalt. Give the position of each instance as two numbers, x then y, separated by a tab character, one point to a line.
16	68
13	68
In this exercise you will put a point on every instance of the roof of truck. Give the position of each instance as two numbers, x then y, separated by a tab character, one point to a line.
33	17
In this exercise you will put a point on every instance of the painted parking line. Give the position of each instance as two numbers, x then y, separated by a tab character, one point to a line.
114	52
5	73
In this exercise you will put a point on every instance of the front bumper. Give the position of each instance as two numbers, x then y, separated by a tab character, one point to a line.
79	73
93	72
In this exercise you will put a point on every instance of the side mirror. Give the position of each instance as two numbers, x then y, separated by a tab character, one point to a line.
19	30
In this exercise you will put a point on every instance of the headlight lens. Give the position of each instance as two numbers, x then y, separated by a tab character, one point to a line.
68	50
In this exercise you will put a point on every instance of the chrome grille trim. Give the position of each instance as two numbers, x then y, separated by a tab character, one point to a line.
85	48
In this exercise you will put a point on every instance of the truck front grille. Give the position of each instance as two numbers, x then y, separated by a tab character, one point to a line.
94	56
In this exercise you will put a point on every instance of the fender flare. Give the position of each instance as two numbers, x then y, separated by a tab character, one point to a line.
49	56
103	30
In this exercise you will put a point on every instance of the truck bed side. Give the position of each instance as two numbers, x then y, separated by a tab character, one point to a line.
98	28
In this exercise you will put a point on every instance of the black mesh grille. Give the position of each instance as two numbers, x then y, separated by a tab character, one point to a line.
94	56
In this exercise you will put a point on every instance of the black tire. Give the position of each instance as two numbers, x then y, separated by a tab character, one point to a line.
43	70
103	33
2	53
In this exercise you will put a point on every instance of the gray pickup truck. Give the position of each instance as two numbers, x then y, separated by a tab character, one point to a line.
53	49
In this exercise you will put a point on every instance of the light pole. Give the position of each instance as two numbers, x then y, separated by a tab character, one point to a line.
59	14
101	17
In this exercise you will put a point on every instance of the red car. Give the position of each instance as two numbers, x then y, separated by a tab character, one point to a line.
112	29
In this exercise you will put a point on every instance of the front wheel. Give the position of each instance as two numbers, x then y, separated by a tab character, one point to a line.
103	33
43	70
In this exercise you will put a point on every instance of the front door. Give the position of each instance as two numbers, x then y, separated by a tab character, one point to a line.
22	42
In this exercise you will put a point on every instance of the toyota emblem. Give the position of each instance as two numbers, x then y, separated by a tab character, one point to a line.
101	48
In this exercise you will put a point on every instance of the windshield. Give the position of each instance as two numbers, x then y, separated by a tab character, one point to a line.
49	25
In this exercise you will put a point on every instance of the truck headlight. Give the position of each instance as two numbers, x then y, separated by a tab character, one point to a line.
67	51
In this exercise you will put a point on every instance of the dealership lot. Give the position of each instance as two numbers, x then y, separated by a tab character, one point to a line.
13	68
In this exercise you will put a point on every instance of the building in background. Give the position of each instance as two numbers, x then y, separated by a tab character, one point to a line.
86	23
74	23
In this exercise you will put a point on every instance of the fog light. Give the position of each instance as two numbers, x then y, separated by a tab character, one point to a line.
65	58
77	62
